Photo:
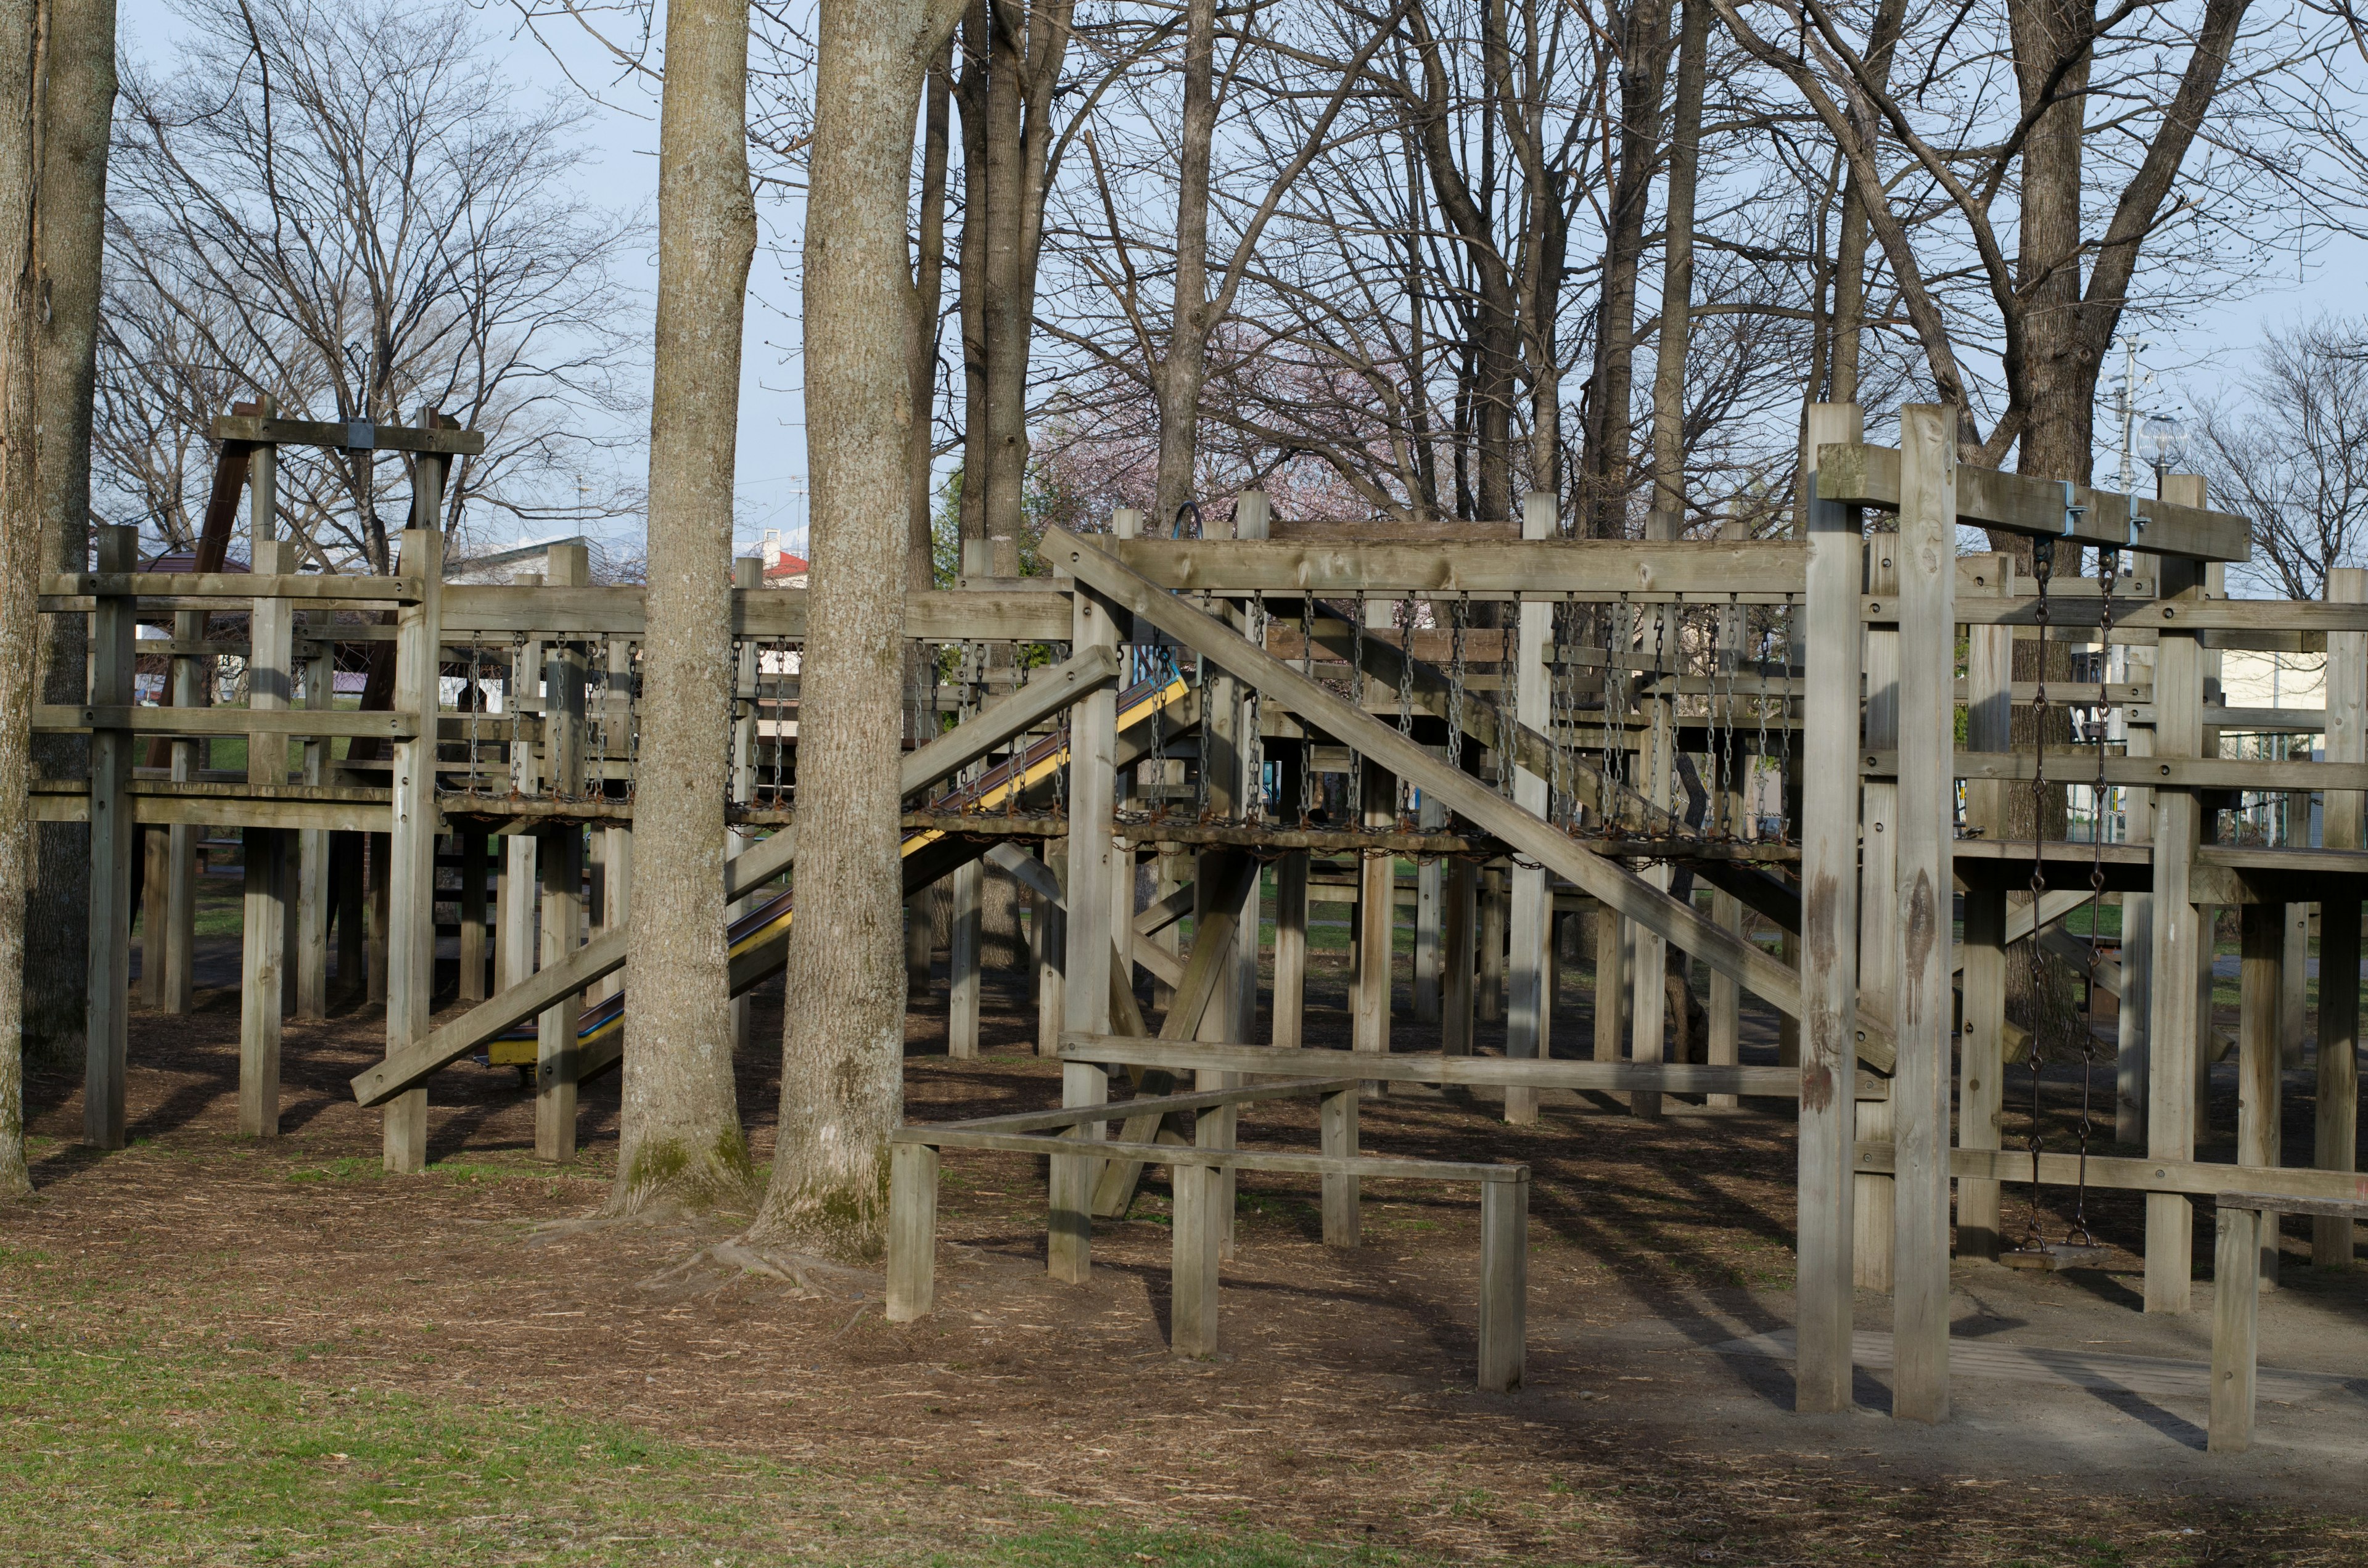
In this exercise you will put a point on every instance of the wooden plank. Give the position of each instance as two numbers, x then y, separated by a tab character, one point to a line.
1528	1010
1829	923
1504	1282
1545	570
2181	950
1198	1233
962	964
2151	772
1336	1129
1929	510
403	588
1874	1215
2335	1143
69	719
776	613
358	436
1425	1067
2260	1077
912	1231
2220	616
2236	1327
1147	1109
1989	682
1094	913
1861	475
263	929
2290	1184
1618	888
1460	937
1290	949
107	975
411	841
1379	1167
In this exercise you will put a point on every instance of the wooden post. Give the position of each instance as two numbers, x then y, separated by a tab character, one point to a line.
472	914
1530	1008
1428	880
1051	943
1093	915
1923	1015
2336	1143
1724	1046
349	886
155	850
1873	1211
1376	924
1611	983
1829	913
2236	1326
1490	1005
380	889
1504	1281
2294	998
106	1021
560	860
410	875
961	1003
1459	938
2182	938
2261	1078
192	680
2134	1021
264	927
514	910
1198	1232
912	1231
1337	1127
617	903
1989	696
310	964
1290	948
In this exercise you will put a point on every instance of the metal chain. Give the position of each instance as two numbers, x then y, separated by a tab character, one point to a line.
1253	744
1307	743
2108	566
1357	701
1459	617
2042	572
1405	614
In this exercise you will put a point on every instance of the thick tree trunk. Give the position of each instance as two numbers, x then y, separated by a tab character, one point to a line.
1644	60
971	278
1005	310
921	348
681	1140
78	103
1186	367
1678	267
843	1035
20	563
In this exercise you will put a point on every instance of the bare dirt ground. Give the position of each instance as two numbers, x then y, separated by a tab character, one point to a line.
1342	1408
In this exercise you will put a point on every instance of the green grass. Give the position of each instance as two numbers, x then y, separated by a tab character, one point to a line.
129	1457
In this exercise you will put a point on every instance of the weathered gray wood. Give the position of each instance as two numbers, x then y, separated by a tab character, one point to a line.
1375	1167
2158	771
2292	1187
2335	1146
1990	682
1504	1282
912	1231
1828	976
1529	1015
1337	1127
1548	569
180	946
1669	1077
309	965
1051	944
473	915
1611	984
107	1021
1093	913
50	718
360	436
1922	1012
1724	1045
1488	1003
1202	1229
1861	475
766	613
1429	878
2260	1077
200	586
2236	1327
1874	1215
155	892
1469	798
408	922
1290	949
963	961
1368	995
2182	947
1460	938
264	926
1144	1110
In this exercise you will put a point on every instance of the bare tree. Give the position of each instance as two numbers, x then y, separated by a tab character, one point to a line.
2294	454
681	1138
76	100
21	557
843	1031
352	212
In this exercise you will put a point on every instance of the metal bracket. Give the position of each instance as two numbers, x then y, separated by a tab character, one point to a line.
2073	510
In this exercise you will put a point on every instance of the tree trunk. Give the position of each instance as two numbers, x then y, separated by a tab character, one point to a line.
681	1141
1678	268
1186	365
928	294
1007	319
842	1034
20	563
1644	60
78	103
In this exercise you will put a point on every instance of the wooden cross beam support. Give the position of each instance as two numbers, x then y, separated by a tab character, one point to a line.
604	954
346	435
1623	892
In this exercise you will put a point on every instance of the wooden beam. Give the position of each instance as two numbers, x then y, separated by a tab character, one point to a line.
147	720
356	435
1542	570
2289	1185
942	616
411	838
2146	772
2335	1145
1621	890
112	843
1856	474
240	586
1431	1067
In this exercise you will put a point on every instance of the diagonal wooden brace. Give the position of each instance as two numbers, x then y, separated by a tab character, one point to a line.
1618	889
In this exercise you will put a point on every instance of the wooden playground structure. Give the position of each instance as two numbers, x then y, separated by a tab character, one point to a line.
1664	733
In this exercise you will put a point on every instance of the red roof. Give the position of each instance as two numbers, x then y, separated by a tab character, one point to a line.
787	565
